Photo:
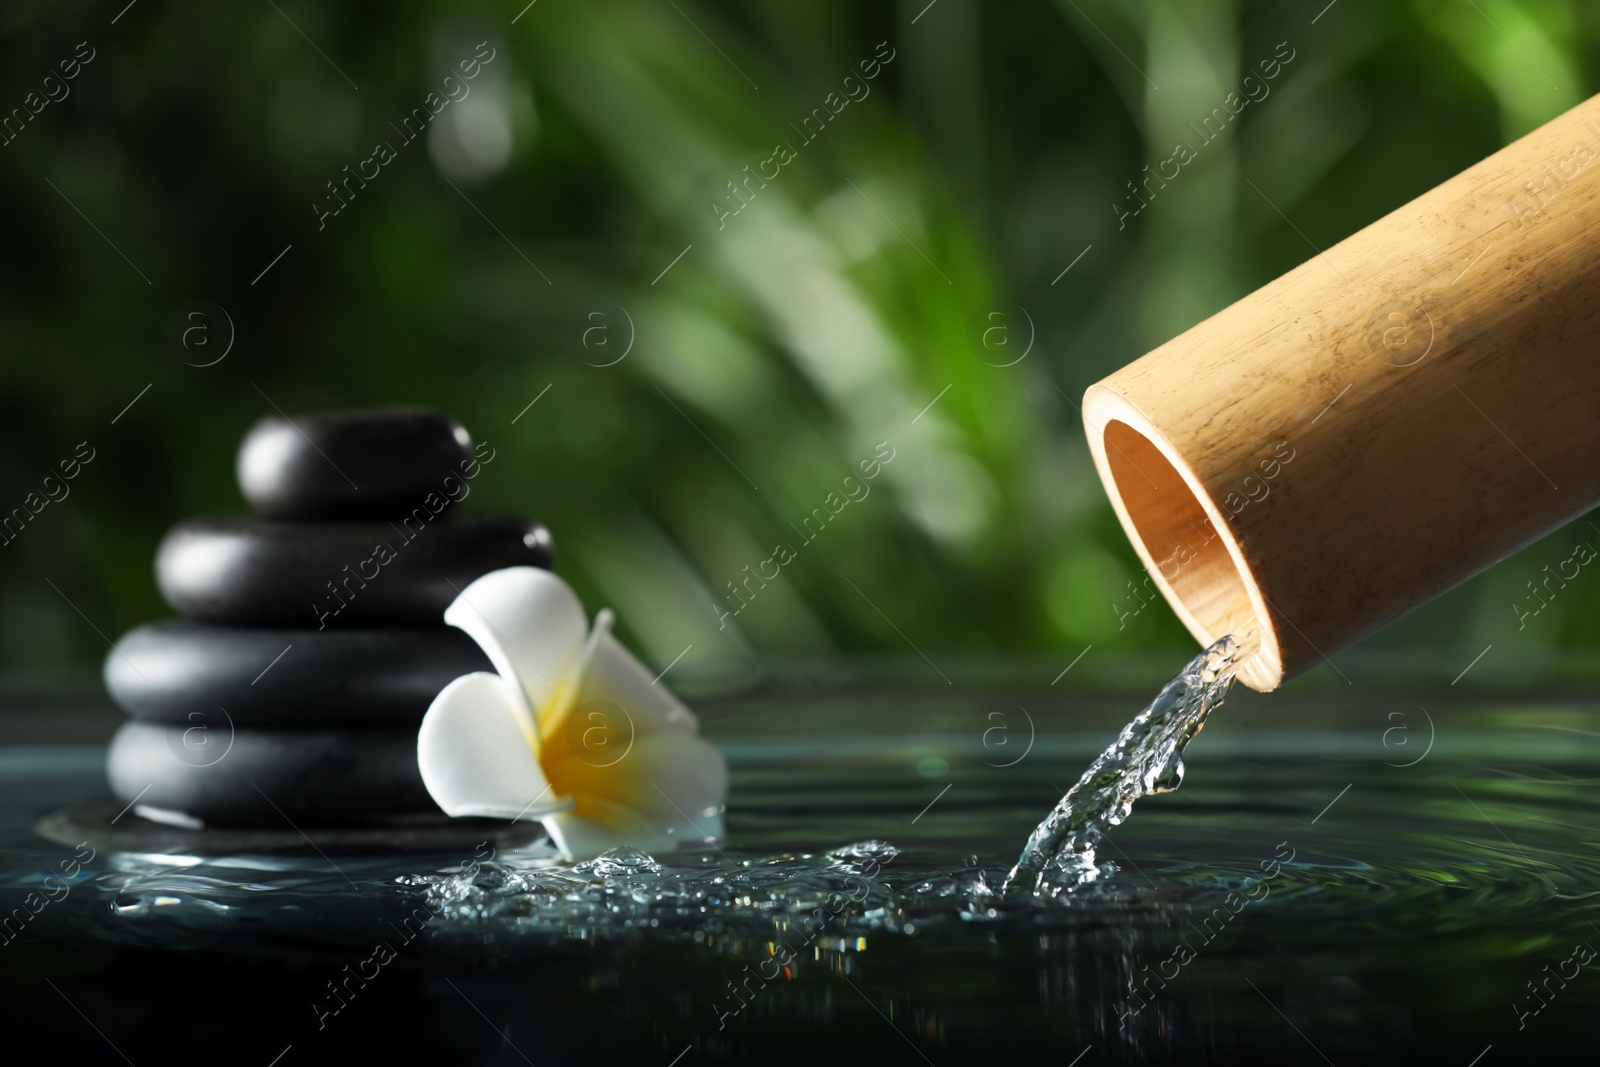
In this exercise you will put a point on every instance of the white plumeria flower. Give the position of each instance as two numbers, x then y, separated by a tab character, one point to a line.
571	730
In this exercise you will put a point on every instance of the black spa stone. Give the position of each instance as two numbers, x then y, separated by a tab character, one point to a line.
190	674
356	465
276	778
250	572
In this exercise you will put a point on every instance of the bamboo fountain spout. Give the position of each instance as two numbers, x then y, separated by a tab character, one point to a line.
1381	423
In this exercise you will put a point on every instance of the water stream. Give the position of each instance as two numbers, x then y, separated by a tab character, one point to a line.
1145	759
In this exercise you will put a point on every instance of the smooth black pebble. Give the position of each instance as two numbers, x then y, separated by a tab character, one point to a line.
355	465
251	572
189	674
281	778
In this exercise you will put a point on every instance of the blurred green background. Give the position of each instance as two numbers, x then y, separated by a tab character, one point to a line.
908	259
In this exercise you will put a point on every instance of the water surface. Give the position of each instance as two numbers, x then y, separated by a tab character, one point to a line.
1323	889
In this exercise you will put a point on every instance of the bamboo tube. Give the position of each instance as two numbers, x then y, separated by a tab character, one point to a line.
1381	423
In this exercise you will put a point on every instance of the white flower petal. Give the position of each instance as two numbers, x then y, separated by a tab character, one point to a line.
668	789
581	838
476	756
573	730
553	715
615	704
530	625
615	676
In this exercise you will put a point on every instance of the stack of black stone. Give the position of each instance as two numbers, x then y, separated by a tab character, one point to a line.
313	638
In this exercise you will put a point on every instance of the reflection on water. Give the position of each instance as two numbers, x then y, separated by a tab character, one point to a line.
1383	911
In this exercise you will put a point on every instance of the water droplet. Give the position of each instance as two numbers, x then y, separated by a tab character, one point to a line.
620	861
881	851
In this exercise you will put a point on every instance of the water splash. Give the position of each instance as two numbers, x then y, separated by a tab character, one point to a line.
1146	758
620	861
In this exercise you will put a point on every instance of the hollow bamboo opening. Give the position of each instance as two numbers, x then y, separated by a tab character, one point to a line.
1187	548
1432	379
